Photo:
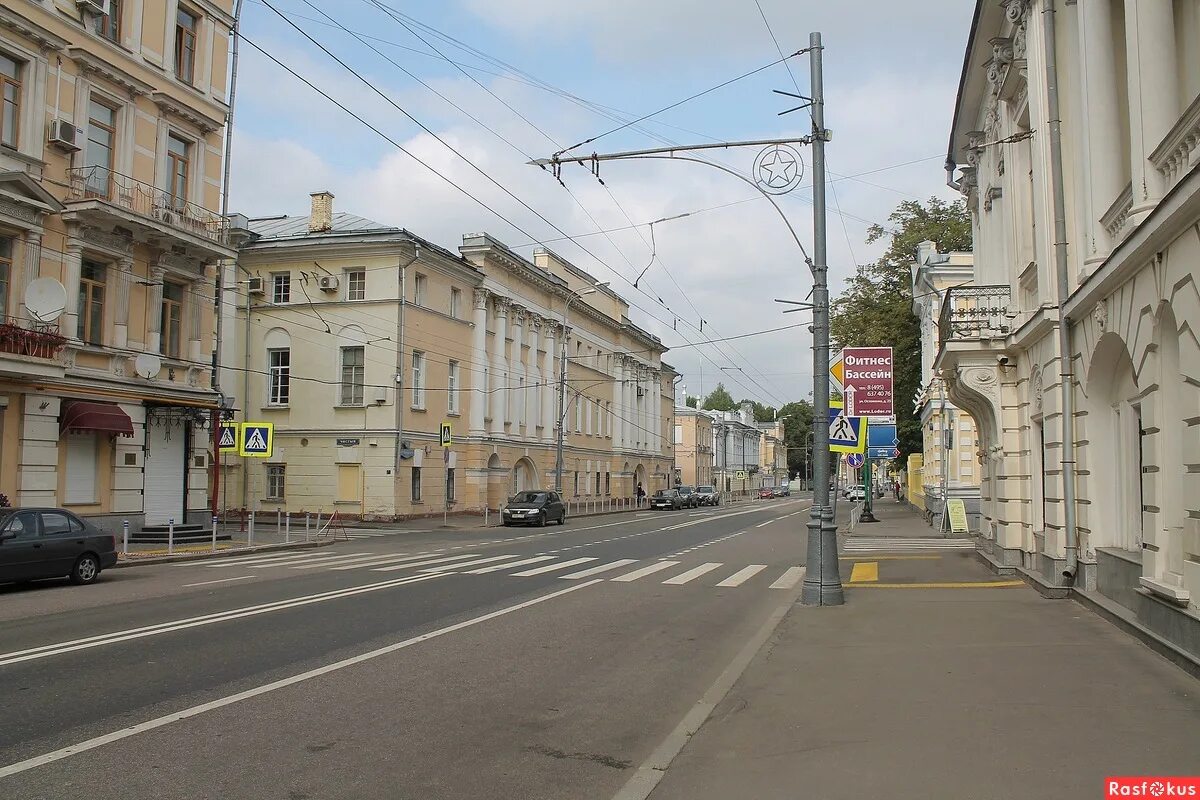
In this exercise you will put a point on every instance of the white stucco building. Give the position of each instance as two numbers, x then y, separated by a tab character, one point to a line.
1085	244
736	455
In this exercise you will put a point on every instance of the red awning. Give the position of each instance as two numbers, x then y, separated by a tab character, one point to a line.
83	415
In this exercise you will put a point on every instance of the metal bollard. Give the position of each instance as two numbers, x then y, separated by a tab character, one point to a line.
125	536
307	518
318	523
278	523
170	535
250	530
214	536
287	527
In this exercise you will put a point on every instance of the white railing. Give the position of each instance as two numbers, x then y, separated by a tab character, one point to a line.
1115	219
1180	148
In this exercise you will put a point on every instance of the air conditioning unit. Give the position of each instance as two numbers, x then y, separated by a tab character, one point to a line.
94	6
63	135
256	285
328	283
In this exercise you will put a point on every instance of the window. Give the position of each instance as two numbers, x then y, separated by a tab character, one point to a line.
186	24
91	302
101	145
450	484
455	302
172	319
81	468
419	288
597	482
452	389
349	487
178	164
416	484
353	361
276	481
578	413
279	375
10	84
356	284
577	484
109	25
281	287
55	523
418	379
608	483
24	525
6	263
678	434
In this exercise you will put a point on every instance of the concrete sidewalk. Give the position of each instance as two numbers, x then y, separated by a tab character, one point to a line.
966	693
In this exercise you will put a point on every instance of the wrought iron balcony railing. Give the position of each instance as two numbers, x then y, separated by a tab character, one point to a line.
99	183
26	338
974	312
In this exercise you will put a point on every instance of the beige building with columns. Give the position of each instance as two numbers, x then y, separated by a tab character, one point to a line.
358	381
111	142
693	447
1075	350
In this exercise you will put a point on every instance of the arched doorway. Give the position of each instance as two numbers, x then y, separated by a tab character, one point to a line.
1114	450
639	479
524	476
495	482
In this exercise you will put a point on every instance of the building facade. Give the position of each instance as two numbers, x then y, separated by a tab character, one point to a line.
948	465
772	454
736	466
111	143
1075	350
360	341
693	447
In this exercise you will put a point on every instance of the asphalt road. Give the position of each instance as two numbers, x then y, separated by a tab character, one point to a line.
507	663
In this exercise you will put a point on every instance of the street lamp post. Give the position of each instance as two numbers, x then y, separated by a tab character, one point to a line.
562	386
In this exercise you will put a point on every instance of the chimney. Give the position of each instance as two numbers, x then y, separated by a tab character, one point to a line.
321	217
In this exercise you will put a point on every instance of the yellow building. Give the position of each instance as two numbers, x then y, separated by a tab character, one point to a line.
693	448
772	454
359	340
110	167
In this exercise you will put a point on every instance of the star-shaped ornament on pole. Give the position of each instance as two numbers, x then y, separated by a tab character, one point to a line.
778	169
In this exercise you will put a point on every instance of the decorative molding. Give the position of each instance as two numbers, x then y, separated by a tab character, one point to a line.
1035	391
998	65
45	39
1100	316
992	193
109	239
1015	10
1115	218
17	211
173	106
974	147
501	304
92	65
479	298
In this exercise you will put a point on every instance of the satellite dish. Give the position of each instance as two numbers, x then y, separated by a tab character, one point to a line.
147	365
46	299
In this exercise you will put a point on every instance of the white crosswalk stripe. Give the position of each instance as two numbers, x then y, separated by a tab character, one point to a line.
790	577
883	544
497	567
692	574
552	567
644	571
742	575
396	559
321	560
409	565
587	573
478	561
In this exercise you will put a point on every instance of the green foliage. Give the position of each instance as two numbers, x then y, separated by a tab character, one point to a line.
797	423
719	399
876	308
691	401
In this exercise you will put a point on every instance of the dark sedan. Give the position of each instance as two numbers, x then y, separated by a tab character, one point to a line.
667	498
534	508
52	543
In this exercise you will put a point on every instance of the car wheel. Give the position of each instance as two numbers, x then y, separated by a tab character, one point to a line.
562	518
541	522
86	570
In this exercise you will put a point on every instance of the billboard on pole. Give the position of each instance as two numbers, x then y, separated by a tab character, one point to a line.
868	380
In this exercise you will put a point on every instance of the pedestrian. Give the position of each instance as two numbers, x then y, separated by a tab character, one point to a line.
896	489
641	495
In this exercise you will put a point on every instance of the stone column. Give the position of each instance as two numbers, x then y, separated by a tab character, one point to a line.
154	310
33	268
1101	137
1153	94
479	397
122	279
550	375
195	307
618	396
516	397
533	387
72	267
500	367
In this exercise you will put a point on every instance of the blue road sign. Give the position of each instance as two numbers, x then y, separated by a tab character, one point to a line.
258	439
882	436
855	460
846	434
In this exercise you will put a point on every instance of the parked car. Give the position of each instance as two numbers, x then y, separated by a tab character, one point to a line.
690	498
855	494
783	491
766	493
534	507
52	543
709	496
666	498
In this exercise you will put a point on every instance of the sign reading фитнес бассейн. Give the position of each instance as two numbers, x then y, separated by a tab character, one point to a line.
867	378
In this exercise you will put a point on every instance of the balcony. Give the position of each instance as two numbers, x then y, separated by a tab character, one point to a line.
100	196
971	313
35	339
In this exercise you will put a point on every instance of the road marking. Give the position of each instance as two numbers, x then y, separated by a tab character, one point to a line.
521	563
208	619
203	708
873	557
742	575
246	559
320	559
587	573
319	565
438	560
378	560
790	577
644	571
865	572
551	567
255	560
692	574
950	585
221	580
765	524
476	562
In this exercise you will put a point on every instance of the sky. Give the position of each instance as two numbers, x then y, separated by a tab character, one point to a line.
477	88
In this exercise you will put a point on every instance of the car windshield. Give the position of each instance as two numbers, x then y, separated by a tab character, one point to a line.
686	490
662	493
529	497
704	489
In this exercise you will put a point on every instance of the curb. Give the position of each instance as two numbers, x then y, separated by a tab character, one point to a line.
262	548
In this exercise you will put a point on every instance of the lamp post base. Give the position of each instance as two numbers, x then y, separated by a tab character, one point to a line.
822	583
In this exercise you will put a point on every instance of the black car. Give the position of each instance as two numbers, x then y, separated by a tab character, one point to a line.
691	498
709	496
52	543
535	507
667	498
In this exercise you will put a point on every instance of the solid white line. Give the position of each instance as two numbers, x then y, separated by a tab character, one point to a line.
521	563
790	577
409	565
399	559
644	571
742	575
208	619
476	562
692	574
587	573
203	708
551	567
765	524
221	580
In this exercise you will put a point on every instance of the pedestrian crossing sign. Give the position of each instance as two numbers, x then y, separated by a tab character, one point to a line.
228	443
846	434
257	439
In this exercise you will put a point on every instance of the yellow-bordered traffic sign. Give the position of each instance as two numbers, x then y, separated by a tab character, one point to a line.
446	437
846	434
228	443
257	439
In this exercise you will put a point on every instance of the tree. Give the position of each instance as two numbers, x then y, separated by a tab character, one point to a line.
876	308
719	399
797	423
691	401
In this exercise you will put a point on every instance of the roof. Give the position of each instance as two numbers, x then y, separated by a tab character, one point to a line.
294	227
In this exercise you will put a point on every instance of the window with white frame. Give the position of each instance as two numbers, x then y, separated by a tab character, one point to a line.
353	368
452	388
418	379
420	289
279	376
276	481
10	97
281	287
578	413
455	302
356	284
678	434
